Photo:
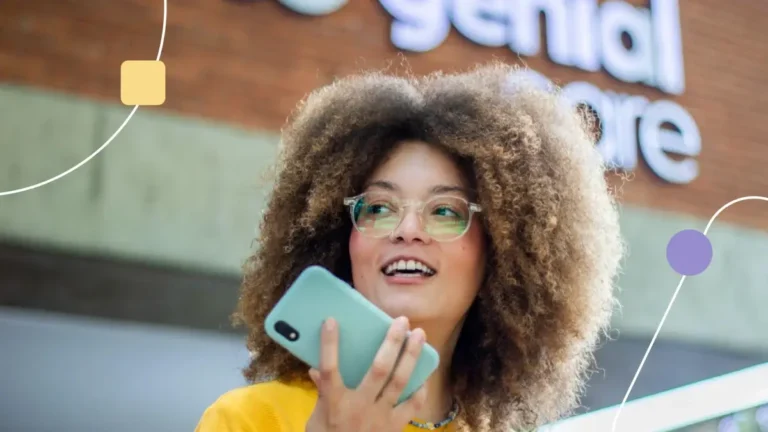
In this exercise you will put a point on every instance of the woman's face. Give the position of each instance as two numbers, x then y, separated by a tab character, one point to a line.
413	172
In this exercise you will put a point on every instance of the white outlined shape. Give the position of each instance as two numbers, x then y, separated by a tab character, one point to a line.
117	132
669	307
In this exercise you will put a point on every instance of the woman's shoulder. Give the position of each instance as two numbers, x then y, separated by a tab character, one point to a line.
274	406
267	391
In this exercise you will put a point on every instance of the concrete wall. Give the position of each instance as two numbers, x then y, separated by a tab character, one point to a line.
186	192
167	189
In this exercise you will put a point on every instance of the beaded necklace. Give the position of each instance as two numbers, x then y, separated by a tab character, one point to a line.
434	426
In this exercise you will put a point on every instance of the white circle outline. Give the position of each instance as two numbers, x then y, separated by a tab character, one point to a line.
130	115
669	306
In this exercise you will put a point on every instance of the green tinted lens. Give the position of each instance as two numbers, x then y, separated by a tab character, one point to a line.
446	217
376	214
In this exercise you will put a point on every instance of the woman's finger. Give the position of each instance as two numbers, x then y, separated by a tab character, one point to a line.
410	408
404	369
330	382
384	362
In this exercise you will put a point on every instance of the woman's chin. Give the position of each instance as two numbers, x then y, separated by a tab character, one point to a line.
396	301
415	310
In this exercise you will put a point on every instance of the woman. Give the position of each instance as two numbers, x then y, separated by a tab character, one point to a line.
473	207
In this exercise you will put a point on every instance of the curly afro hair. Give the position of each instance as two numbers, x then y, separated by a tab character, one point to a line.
554	246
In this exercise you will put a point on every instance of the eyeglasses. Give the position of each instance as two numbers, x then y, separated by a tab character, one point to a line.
443	218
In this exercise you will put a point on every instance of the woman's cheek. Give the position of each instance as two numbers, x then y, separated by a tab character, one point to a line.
362	252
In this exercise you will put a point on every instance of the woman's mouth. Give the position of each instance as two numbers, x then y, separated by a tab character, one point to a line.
408	268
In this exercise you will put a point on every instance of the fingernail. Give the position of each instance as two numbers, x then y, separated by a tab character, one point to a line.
418	336
402	323
330	324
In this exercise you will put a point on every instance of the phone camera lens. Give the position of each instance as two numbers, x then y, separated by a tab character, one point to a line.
287	331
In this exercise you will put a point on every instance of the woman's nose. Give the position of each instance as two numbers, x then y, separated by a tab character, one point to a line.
411	229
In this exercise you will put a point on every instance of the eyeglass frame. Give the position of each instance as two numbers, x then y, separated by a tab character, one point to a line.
351	202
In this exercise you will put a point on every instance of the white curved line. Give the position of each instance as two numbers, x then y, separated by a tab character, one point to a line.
162	33
647	351
717	213
53	179
119	129
669	307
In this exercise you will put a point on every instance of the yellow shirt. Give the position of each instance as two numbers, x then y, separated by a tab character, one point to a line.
267	407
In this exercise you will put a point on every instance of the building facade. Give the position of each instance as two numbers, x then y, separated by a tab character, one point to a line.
156	226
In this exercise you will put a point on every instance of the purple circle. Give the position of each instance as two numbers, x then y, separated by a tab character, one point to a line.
689	252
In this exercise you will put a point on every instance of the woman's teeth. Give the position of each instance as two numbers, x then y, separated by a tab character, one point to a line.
409	268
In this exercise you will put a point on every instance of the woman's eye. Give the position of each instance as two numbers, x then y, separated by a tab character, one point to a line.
446	211
378	208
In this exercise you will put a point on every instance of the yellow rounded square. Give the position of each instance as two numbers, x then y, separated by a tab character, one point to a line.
142	82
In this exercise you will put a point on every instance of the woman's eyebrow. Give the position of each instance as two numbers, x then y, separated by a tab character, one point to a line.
383	184
435	190
441	189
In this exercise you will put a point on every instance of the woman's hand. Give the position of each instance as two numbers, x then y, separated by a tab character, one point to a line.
373	405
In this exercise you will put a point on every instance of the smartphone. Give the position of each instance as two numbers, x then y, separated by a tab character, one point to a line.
317	294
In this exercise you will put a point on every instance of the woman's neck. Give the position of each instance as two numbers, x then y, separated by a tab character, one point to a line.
439	397
439	387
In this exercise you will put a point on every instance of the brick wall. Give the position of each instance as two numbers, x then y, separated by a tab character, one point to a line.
249	63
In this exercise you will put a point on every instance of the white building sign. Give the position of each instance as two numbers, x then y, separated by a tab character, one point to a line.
588	36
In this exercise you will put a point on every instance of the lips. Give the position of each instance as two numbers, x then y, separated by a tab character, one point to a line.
408	267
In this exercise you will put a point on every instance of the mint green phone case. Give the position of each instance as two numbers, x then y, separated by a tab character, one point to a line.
296	321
